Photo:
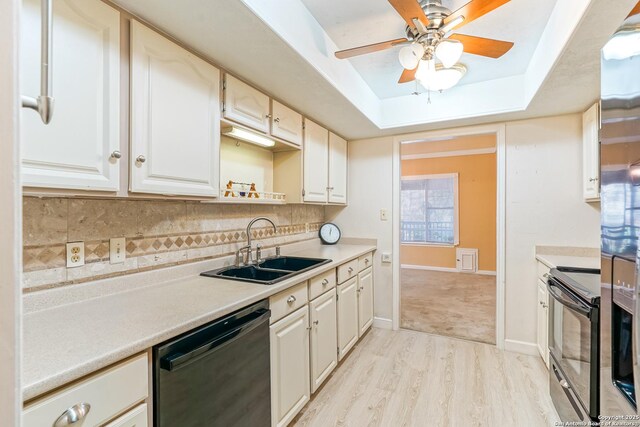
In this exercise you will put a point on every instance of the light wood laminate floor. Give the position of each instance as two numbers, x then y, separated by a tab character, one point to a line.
452	304
406	378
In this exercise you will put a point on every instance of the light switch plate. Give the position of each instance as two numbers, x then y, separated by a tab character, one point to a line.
386	257
75	254
383	215
117	253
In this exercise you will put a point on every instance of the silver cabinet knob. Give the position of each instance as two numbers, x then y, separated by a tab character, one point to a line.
141	159
268	116
545	305
291	299
593	179
277	120
73	415
116	155
325	282
366	260
315	322
350	270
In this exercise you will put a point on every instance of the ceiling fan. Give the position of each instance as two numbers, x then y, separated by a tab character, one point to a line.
429	27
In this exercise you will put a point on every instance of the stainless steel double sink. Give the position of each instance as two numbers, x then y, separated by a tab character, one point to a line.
269	271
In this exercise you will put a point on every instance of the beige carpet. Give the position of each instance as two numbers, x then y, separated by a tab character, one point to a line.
457	305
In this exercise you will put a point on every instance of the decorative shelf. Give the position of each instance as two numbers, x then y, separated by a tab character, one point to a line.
265	197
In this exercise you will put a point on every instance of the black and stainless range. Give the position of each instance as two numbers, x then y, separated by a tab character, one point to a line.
574	334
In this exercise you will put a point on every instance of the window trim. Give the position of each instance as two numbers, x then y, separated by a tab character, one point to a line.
456	208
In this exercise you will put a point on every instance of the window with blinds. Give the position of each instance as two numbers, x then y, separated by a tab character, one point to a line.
429	209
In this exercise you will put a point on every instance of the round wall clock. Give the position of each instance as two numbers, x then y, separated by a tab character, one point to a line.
329	233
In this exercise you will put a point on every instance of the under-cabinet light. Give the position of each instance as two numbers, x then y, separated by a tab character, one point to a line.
248	136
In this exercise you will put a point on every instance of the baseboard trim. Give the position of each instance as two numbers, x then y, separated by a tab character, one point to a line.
382	323
521	347
427	267
446	269
486	272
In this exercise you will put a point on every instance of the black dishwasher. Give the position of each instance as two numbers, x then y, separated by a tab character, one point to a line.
216	375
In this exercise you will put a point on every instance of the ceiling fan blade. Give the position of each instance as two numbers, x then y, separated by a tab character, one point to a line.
355	51
410	9
635	10
483	47
408	75
474	10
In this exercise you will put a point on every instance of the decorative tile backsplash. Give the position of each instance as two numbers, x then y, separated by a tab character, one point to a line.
158	234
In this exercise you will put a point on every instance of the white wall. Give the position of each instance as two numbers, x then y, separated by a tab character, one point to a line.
10	218
370	190
544	206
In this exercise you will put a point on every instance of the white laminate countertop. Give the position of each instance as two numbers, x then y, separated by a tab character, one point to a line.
553	261
67	342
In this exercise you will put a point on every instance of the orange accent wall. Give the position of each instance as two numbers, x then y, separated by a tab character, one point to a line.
477	210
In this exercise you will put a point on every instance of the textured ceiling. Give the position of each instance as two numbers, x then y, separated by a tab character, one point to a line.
356	23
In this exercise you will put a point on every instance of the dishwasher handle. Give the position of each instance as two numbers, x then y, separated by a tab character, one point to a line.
177	360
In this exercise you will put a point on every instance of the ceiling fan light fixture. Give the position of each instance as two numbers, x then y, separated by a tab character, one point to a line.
449	52
442	78
624	44
410	56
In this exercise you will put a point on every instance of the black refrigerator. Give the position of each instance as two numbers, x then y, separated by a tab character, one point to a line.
620	225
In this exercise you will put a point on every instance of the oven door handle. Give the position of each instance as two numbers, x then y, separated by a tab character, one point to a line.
566	300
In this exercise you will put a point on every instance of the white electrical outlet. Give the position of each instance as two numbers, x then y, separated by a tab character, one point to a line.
75	254
386	257
383	214
117	253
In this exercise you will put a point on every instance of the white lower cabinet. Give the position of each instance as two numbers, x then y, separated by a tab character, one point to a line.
102	397
137	417
290	374
347	295
365	300
324	338
543	322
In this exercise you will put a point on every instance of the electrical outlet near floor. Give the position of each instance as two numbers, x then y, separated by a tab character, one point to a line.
117	253
75	254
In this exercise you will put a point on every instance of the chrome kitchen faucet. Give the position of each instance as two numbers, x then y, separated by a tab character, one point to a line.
249	257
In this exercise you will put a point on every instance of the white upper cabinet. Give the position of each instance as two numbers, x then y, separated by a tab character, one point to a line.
316	162
74	151
175	118
324	338
591	153
246	105
337	169
286	123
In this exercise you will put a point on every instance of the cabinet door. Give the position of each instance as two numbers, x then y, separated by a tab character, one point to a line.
591	153
74	150
175	118
286	123
347	316
136	417
365	300
316	162
337	169
245	105
290	375
543	322
324	338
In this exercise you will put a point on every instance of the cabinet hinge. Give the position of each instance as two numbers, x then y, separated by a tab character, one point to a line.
304	126
337	296
338	351
303	193
224	107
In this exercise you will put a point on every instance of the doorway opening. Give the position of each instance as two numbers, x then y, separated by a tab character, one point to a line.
448	236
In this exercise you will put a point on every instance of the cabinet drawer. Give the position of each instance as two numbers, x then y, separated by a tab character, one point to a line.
543	270
365	261
288	301
322	283
347	270
109	393
136	417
